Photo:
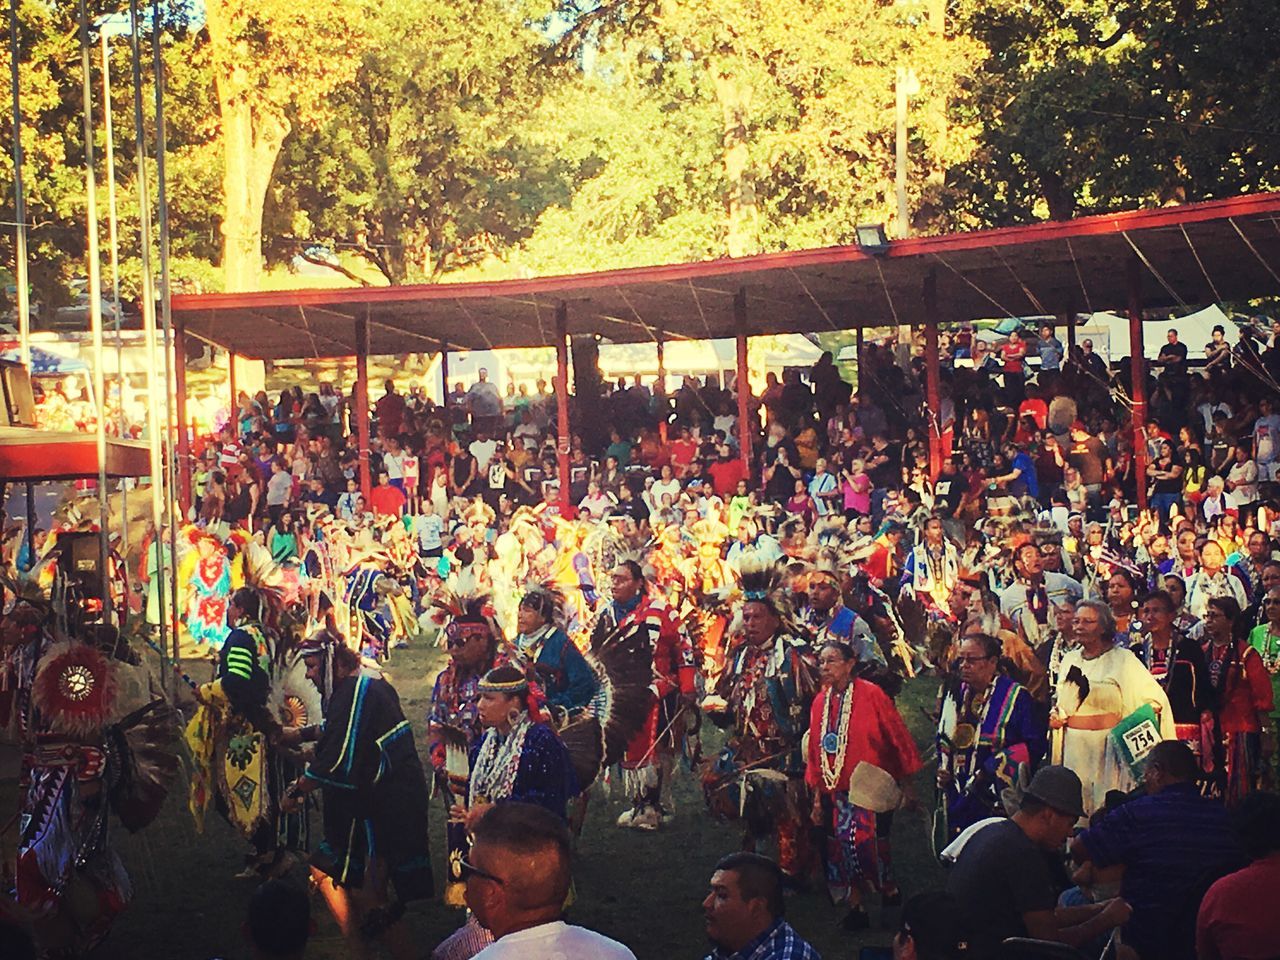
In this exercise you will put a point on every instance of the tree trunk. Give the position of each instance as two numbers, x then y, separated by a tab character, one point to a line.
734	96
251	142
1062	205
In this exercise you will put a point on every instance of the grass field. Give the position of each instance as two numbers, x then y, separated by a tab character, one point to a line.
642	889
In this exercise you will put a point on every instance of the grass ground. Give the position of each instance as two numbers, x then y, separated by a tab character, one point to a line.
642	889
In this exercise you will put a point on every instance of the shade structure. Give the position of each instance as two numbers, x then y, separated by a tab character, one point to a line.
47	363
35	456
1188	255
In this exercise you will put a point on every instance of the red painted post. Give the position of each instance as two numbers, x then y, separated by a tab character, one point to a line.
932	375
1138	369
562	401
184	438
235	394
744	386
362	405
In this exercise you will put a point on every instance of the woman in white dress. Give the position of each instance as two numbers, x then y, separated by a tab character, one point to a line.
1100	686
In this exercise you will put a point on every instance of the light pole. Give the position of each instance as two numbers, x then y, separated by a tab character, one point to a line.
95	309
906	85
114	25
19	198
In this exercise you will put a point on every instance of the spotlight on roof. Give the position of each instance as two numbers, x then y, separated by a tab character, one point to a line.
871	238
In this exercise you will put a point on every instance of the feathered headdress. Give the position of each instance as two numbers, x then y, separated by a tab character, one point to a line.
765	582
548	599
464	605
830	549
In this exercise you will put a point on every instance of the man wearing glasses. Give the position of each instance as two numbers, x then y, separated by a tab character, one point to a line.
988	725
517	877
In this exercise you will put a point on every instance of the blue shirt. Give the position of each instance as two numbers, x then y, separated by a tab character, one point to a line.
1050	353
779	942
1168	842
1027	469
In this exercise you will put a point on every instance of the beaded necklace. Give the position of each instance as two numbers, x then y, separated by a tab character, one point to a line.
835	742
1270	652
496	764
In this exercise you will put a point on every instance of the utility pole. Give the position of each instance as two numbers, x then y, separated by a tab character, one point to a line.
900	147
905	85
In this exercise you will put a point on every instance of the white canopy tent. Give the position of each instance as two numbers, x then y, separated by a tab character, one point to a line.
1110	333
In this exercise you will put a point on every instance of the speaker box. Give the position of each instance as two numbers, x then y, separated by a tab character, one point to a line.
80	560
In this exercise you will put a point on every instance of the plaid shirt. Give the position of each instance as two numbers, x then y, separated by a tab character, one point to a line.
779	942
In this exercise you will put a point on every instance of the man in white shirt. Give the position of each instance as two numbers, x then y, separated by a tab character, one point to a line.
1266	440
517	876
393	463
483	449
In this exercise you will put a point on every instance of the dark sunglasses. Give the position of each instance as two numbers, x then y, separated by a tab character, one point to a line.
467	870
972	659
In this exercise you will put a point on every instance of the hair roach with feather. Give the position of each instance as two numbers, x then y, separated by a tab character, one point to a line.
466	600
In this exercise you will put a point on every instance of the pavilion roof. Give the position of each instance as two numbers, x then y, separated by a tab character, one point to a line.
1189	255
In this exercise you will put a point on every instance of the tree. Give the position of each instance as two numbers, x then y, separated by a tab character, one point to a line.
1085	107
53	143
275	65
439	153
802	139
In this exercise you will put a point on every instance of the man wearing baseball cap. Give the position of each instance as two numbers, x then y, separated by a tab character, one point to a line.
1002	880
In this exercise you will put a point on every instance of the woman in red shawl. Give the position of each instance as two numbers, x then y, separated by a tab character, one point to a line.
851	721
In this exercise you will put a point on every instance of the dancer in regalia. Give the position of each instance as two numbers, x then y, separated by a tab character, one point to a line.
230	736
704	576
932	570
547	655
650	760
1100	687
375	809
764	697
519	758
95	741
988	725
852	722
453	725
206	573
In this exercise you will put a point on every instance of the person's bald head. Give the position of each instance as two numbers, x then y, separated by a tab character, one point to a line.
520	855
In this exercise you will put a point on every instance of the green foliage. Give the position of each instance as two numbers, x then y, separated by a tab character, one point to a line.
441	152
421	139
53	141
1085	107
724	127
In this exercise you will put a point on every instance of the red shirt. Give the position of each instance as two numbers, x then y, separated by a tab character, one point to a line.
1038	409
682	454
390	409
387	501
876	734
725	475
1013	356
1230	925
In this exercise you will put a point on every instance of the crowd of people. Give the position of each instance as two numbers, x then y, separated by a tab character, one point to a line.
1105	728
